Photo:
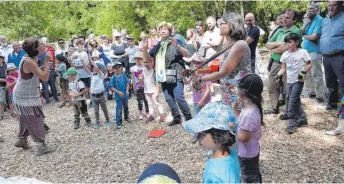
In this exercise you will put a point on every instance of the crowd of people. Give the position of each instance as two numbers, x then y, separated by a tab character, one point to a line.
102	68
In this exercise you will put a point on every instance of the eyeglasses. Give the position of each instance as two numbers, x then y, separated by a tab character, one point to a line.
332	5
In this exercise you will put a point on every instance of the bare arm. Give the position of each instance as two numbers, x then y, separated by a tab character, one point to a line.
30	66
311	37
235	55
244	136
273	45
84	91
249	40
205	95
282	70
281	49
184	52
308	66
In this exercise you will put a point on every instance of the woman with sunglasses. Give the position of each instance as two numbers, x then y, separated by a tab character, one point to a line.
236	60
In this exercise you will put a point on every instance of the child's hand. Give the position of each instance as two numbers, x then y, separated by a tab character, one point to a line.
237	103
231	125
120	94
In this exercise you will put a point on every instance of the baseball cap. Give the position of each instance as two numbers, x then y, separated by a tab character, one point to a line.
72	71
101	67
159	173
116	63
138	54
213	115
60	57
11	66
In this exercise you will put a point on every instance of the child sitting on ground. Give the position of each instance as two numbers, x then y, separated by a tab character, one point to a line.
78	90
11	80
120	86
97	93
250	90
213	133
61	68
152	91
297	62
138	85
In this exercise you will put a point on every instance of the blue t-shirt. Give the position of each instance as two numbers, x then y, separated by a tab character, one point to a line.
314	27
120	83
222	170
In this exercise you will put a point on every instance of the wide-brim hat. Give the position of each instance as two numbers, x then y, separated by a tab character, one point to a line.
11	66
116	34
215	115
138	54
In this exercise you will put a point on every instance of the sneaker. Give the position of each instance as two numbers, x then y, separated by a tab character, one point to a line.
107	124
128	120
302	123
162	118
76	125
312	95
97	126
283	117
330	107
271	111
174	122
150	118
291	130
140	117
119	127
320	100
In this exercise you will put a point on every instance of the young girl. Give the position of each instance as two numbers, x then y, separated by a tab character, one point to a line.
213	133
11	80
200	96
61	68
250	90
152	91
108	75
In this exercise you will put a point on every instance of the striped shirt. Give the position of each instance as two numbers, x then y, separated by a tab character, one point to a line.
332	35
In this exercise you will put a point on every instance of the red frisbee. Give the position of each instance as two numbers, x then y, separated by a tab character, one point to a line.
156	133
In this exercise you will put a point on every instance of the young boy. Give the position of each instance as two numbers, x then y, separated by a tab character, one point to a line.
120	86
297	62
61	68
97	93
137	75
77	90
11	80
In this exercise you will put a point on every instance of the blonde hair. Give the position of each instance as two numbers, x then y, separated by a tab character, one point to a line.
167	25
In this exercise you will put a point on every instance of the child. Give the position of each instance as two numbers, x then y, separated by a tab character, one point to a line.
97	93
138	85
152	91
120	86
108	75
78	90
201	96
297	62
250	90
213	132
11	80
61	68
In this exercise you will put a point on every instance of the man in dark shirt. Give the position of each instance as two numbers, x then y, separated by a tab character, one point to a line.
252	38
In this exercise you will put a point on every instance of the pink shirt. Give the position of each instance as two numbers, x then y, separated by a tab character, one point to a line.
198	95
10	81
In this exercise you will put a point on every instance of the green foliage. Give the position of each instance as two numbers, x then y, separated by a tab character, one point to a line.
61	19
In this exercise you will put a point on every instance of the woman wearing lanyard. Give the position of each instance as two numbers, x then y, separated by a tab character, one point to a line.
168	68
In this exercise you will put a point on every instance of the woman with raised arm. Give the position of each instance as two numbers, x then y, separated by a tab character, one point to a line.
26	96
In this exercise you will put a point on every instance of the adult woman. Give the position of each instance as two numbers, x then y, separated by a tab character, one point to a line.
106	45
26	96
154	39
168	66
118	51
96	51
236	60
143	37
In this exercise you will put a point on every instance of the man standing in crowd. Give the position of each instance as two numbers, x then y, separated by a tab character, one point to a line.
332	49
17	54
131	50
252	38
61	48
311	29
5	48
211	39
277	45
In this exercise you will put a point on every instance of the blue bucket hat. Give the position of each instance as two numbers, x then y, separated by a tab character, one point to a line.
213	115
159	173
101	67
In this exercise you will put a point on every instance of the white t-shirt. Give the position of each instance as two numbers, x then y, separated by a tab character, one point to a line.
75	87
137	71
131	52
149	81
97	83
82	57
295	63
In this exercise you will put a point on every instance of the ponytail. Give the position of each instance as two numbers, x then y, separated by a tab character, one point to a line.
258	102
